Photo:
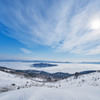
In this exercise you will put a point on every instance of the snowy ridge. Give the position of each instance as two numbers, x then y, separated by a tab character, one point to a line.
71	88
92	79
13	81
10	82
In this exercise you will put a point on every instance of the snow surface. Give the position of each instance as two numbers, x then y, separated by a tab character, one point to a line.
7	80
44	93
84	87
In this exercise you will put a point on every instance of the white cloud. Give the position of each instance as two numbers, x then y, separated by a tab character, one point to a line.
26	50
63	25
94	51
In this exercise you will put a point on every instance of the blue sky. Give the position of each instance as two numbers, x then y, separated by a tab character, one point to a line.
66	30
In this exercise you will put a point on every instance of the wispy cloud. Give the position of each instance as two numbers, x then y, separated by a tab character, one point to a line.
61	24
26	50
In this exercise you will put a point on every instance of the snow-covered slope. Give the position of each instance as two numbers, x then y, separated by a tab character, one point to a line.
44	93
92	79
11	82
7	80
82	87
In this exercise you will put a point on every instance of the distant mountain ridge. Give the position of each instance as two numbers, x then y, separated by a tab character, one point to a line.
41	61
48	77
44	61
89	62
